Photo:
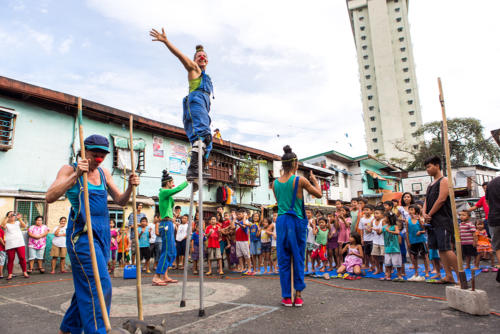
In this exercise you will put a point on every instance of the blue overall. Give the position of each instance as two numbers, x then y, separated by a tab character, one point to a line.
291	233
168	250
196	107
84	313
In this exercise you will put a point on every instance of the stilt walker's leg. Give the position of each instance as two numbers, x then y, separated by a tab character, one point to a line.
201	312
188	244
291	279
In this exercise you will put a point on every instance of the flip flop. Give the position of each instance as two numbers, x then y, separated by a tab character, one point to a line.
433	281
171	281
485	270
208	274
494	269
397	279
161	283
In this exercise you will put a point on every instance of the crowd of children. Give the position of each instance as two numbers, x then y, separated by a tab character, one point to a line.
354	240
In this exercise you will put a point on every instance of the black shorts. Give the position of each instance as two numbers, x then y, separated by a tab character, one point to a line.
367	248
145	253
265	247
468	250
419	249
440	238
181	247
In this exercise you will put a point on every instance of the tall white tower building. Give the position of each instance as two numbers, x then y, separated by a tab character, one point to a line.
391	107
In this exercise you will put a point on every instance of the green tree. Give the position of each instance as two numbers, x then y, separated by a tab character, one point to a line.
467	144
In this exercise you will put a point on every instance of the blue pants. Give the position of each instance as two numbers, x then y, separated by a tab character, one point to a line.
168	249
196	107
84	311
291	241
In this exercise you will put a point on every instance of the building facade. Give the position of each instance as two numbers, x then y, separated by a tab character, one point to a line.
391	106
39	135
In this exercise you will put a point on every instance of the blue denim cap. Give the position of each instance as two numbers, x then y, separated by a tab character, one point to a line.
96	142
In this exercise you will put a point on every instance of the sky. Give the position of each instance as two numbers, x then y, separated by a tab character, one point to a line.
284	72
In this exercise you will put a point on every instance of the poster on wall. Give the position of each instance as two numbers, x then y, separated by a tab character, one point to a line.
158	147
178	158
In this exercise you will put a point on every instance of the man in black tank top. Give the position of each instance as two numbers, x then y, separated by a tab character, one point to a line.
437	212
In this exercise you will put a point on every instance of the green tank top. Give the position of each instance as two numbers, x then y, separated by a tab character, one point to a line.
194	84
284	194
322	236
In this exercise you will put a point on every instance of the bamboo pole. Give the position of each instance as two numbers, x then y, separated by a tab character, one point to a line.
458	242
136	234
122	230
90	235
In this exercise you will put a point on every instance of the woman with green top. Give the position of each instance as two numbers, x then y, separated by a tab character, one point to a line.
196	105
166	228
291	225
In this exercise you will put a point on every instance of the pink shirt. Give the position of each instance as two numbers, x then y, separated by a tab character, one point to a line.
344	231
114	243
37	243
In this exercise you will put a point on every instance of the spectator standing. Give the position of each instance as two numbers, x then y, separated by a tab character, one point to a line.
123	246
140	215
14	242
482	203
181	239
213	234
493	200
113	245
37	242
157	245
58	250
144	235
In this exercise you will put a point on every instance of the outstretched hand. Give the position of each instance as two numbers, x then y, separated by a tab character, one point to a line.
158	37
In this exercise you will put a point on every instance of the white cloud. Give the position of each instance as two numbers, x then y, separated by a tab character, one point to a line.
44	40
65	45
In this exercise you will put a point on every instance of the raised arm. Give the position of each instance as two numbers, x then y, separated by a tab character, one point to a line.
312	188
193	69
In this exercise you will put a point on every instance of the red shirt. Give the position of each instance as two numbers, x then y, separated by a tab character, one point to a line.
213	239
483	204
2	237
241	232
225	223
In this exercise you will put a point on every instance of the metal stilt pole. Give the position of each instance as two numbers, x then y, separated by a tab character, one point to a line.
201	312
188	245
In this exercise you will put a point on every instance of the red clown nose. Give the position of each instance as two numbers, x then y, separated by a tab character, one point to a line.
98	160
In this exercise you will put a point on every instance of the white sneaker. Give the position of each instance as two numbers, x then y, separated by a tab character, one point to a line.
420	279
412	279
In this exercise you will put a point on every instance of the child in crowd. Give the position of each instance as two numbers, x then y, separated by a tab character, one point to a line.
144	235
355	214
123	246
241	224
416	241
402	245
483	246
274	253
332	245
321	232
338	205
391	247
213	234
388	206
378	240
113	247
255	247
195	248
180	240
58	249
354	257
395	206
311	239
468	237
3	254
265	242
436	264
344	224
225	244
367	234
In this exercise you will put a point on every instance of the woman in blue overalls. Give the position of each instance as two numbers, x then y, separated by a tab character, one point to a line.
291	225
84	313
196	105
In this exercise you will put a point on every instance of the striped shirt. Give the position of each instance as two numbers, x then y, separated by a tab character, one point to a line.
467	230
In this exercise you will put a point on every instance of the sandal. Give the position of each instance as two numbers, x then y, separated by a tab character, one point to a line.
494	269
160	283
195	272
485	270
42	271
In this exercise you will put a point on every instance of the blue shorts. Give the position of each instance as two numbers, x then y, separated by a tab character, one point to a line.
3	257
255	247
433	254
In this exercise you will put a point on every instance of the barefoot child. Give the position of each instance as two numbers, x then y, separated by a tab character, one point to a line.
195	249
332	245
255	246
213	234
354	257
321	232
311	239
417	242
392	250
378	240
367	234
483	246
467	230
265	241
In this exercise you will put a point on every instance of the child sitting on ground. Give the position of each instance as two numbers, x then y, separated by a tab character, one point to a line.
417	242
467	230
354	257
391	245
321	234
483	246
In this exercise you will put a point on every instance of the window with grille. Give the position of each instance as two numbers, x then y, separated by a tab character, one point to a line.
30	209
375	151
221	167
411	112
121	154
7	127
117	216
372	118
374	129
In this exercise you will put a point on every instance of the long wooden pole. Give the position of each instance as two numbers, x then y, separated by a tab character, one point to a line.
136	234
458	242
90	235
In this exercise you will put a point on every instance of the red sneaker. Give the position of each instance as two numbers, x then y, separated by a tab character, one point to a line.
298	302
287	302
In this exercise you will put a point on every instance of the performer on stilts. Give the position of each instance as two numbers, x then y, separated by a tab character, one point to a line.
291	226
166	228
196	105
84	312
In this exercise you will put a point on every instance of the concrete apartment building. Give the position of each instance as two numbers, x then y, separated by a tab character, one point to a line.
391	106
